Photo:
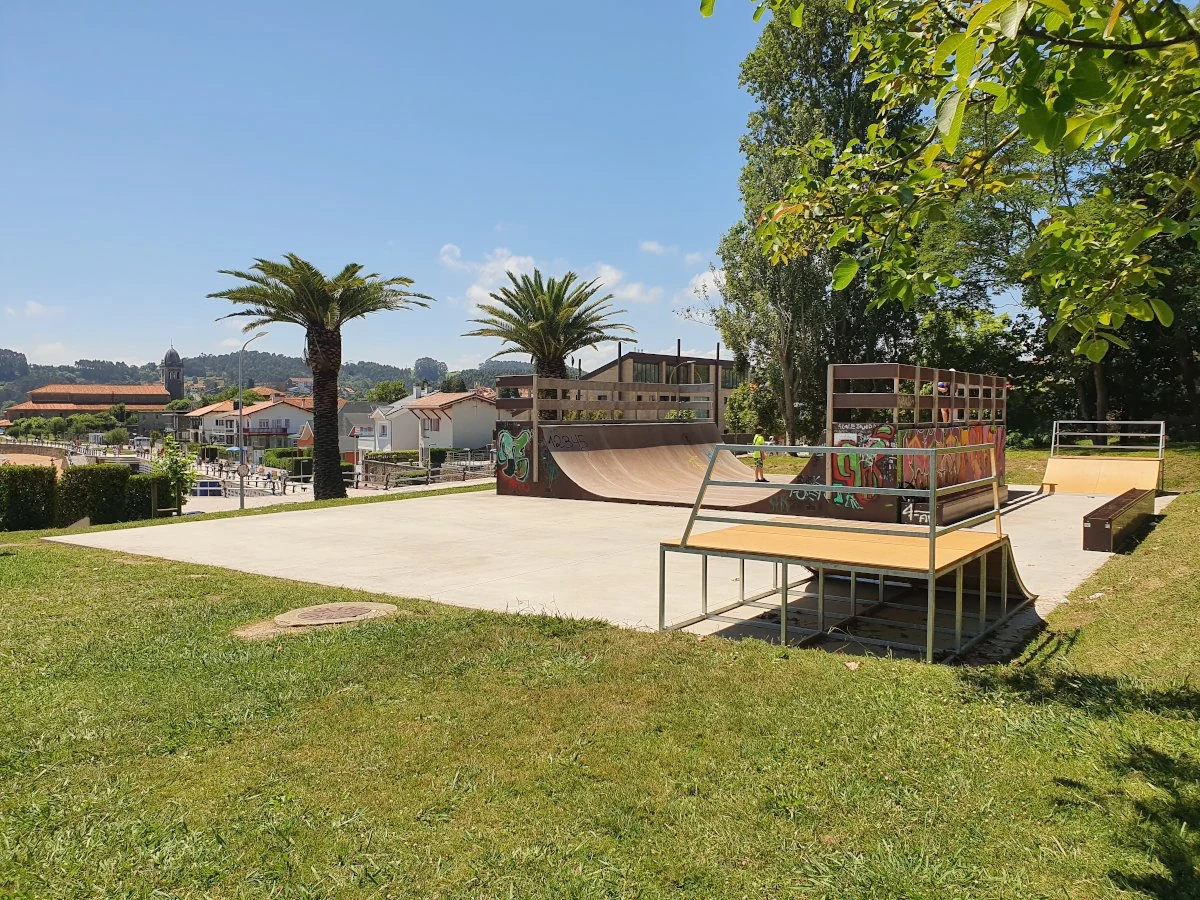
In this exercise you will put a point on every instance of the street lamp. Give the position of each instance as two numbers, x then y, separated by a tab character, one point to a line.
242	426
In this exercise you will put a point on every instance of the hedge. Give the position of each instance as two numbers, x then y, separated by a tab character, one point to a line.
138	495
437	455
394	456
27	497
97	492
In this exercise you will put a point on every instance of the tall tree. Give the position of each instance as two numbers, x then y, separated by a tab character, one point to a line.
549	319
784	319
295	291
1124	77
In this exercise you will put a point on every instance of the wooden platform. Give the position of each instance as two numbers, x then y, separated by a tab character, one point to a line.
893	552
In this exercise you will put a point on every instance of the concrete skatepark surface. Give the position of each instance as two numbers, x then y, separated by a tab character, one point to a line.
536	555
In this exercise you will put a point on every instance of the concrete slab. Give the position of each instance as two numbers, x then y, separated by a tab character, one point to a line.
526	554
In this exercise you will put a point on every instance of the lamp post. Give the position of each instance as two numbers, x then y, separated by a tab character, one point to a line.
242	426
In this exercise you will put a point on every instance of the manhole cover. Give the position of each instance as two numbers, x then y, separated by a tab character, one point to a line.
333	614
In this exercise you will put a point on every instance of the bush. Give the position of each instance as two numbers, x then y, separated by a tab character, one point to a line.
393	456
138	495
97	492
437	455
117	436
278	457
27	497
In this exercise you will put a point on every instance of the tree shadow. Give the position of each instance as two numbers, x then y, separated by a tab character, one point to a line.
1034	682
1164	819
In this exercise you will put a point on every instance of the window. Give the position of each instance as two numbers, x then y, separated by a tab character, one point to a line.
383	430
437	423
700	374
647	373
730	378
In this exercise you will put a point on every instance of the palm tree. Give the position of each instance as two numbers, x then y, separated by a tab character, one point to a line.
549	320
296	291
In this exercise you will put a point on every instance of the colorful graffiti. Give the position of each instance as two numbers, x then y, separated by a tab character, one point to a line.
514	455
953	468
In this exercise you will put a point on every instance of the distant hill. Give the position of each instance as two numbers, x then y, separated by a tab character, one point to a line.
18	376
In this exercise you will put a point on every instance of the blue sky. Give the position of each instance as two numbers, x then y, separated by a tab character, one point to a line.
149	144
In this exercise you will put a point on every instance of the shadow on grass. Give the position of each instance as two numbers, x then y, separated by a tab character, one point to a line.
1157	803
1039	684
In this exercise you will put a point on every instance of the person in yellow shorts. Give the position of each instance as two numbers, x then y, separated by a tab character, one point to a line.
759	440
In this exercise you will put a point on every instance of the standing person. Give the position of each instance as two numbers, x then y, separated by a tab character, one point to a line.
759	440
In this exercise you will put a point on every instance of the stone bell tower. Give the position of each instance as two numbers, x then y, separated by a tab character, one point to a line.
172	374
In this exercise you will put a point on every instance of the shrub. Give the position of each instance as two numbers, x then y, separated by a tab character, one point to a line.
437	455
117	435
394	456
27	497
97	492
278	457
139	493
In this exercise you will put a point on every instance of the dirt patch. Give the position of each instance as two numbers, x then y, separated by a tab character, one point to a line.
30	459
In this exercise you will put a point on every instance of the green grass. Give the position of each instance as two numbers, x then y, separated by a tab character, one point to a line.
452	753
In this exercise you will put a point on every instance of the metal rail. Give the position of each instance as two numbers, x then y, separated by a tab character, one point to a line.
1155	439
930	574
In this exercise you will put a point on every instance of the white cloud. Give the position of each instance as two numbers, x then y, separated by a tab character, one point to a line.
703	286
488	273
232	342
693	259
614	283
450	256
55	353
652	247
30	310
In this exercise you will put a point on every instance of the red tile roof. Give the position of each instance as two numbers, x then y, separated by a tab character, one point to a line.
54	408
96	393
443	400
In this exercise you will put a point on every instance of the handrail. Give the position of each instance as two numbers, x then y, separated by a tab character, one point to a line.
931	493
1155	440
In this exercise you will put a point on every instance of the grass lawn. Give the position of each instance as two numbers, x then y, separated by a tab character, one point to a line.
453	753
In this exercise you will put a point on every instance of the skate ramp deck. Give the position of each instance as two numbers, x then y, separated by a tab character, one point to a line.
1100	475
656	463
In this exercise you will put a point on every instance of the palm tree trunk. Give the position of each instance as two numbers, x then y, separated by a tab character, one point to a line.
550	368
324	347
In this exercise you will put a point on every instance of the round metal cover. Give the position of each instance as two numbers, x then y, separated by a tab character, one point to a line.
243	470
334	613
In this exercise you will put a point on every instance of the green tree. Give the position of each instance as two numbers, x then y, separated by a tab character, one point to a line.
295	291
549	320
174	464
118	435
783	319
428	369
180	406
453	383
119	413
387	392
57	426
1121	77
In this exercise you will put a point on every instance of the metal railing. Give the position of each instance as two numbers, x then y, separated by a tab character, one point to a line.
1151	436
932	494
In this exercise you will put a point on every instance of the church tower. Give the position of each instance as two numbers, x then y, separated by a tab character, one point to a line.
172	374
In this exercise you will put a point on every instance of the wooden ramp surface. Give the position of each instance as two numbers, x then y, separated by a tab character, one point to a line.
894	552
1101	475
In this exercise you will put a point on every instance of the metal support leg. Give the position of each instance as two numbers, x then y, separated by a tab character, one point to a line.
854	593
775	575
1004	580
982	592
930	617
783	608
704	584
662	588
881	588
958	615
742	579
821	598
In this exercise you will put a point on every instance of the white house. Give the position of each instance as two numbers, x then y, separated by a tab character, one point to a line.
395	427
273	423
466	420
